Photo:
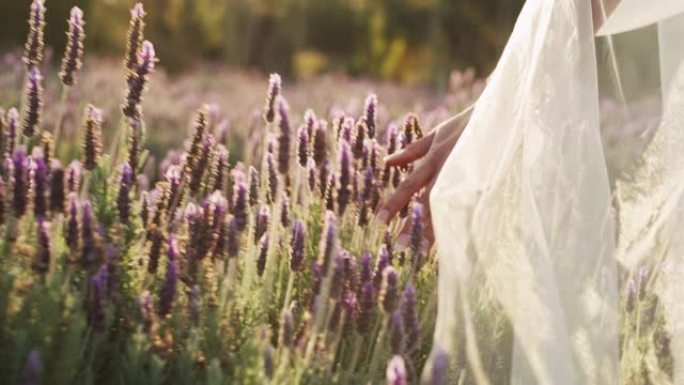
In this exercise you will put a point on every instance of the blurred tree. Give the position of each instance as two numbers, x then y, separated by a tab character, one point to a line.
406	40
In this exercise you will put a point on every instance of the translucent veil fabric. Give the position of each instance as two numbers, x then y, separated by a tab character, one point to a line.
523	208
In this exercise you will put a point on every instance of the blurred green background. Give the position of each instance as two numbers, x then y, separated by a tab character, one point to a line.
412	41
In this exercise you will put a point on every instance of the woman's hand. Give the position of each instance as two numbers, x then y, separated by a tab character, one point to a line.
429	154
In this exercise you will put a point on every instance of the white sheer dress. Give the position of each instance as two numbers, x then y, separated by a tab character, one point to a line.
531	228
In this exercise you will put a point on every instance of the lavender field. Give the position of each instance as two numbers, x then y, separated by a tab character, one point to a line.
218	226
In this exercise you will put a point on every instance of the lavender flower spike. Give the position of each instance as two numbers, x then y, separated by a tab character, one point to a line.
44	256
440	365
409	309
168	291
92	137
71	236
35	43
303	146
32	369
274	89
396	372
263	254
138	79
284	138
12	127
20	191
72	61
389	295
135	37
370	116
34	102
123	201
297	246
39	173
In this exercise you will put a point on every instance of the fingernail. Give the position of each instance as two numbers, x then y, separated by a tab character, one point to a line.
402	242
382	216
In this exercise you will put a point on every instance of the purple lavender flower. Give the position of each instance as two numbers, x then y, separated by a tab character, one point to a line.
346	172
366	270
285	211
409	310
201	164
35	43
284	138
347	130
351	276
310	122
194	305
397	333
389	295
39	177
261	223
72	233
12	127
220	169
359	141
263	254
145	209
311	174
370	116
240	206
440	365
366	318
337	281
253	186
168	290
382	262
138	79
73	177
274	89
57	190
350	306
33	368
232	238
272	178
123	202
44	255
392	132
323	177
20	165
87	235
92	137
320	144
303	145
396	372
416	235
297	251
72	61
328	241
135	37
34	102
330	192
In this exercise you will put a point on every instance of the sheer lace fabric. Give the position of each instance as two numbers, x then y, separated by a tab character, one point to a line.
523	208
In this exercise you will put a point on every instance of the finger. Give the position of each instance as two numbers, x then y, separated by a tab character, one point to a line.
414	151
411	185
427	234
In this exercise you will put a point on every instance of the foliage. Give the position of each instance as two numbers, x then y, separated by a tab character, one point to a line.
412	41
